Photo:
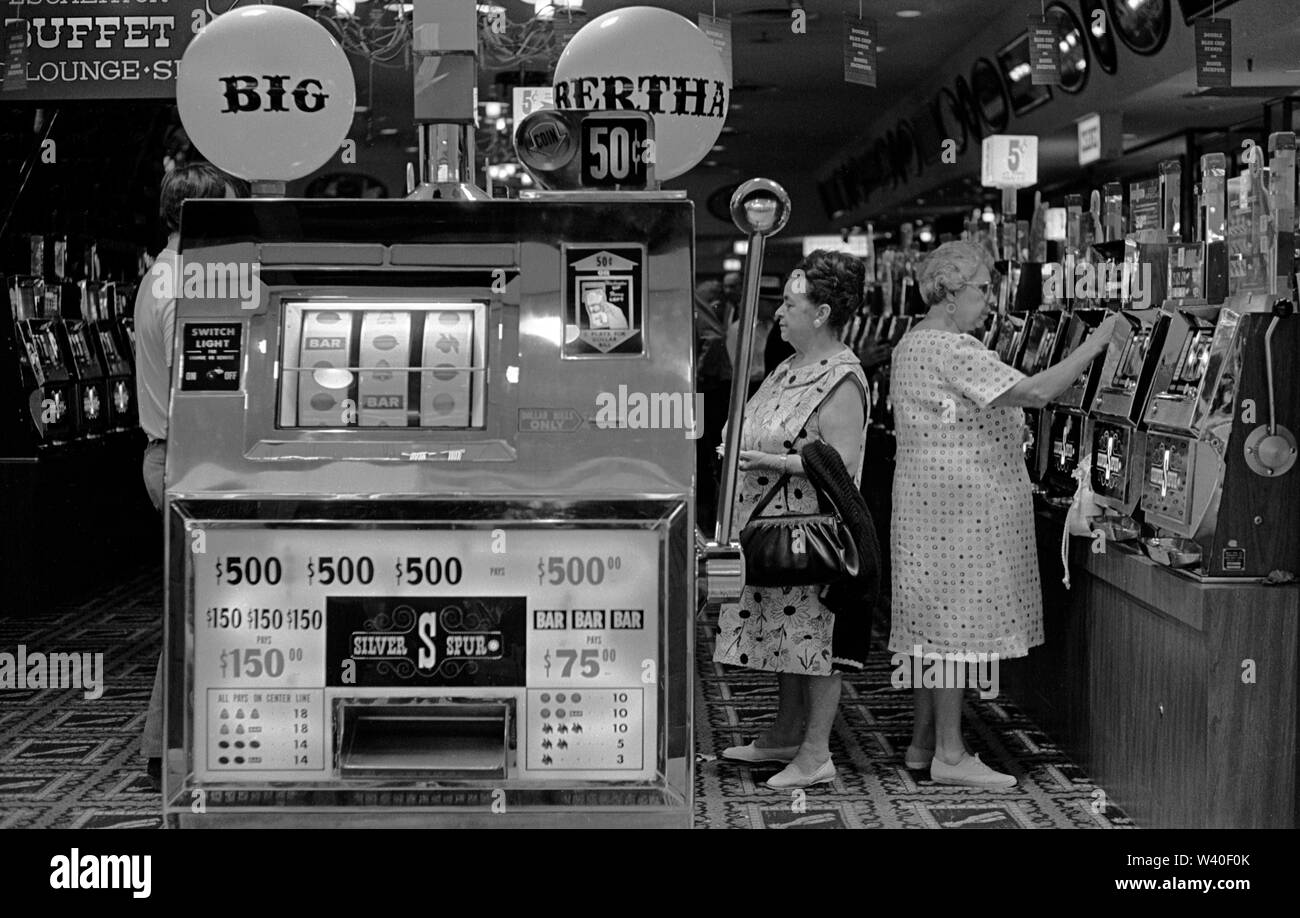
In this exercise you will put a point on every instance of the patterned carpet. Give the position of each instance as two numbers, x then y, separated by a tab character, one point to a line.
874	789
67	762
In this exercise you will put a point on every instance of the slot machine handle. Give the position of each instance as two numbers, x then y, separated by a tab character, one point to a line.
760	208
1268	373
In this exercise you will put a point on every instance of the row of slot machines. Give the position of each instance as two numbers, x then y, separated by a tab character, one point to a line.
1188	420
861	333
69	372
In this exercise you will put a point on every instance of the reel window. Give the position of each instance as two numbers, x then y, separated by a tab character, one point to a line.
347	364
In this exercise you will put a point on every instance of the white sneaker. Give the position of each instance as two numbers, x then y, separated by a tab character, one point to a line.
969	772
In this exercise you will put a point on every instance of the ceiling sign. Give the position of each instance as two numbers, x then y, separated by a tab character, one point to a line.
1213	52
123	51
1044	53
1100	137
719	30
1010	161
860	51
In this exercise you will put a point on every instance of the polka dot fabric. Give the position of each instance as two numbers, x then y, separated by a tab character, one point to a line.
965	567
784	629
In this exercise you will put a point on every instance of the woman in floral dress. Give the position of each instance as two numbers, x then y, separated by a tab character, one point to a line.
819	393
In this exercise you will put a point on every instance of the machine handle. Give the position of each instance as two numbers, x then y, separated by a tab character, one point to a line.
1268	372
760	208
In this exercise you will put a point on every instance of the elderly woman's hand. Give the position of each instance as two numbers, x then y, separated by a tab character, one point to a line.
751	460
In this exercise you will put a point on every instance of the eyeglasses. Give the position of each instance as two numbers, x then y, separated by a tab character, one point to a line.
985	289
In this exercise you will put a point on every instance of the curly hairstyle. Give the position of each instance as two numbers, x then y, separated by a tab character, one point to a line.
948	268
836	279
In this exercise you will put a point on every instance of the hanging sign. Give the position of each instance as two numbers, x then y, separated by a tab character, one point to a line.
1213	52
1009	161
1044	53
719	30
860	51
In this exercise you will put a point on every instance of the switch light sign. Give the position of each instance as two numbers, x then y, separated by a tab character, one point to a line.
564	621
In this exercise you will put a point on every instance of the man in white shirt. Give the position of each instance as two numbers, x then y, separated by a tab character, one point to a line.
155	332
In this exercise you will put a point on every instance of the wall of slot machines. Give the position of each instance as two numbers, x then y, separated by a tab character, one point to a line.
71	444
1187	424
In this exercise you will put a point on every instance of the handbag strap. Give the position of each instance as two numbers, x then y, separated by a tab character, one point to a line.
767	498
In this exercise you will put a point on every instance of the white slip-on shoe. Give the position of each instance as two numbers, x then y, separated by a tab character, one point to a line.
751	754
969	772
791	776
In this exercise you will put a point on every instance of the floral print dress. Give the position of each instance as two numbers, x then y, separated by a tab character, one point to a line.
784	629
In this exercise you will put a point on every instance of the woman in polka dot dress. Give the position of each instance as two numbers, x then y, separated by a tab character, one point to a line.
965	566
817	394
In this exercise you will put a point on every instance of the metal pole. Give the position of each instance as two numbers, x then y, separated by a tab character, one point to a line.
760	208
748	318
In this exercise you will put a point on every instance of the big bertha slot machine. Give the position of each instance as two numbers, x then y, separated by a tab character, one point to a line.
430	524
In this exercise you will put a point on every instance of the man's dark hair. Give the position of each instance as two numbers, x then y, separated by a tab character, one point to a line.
197	180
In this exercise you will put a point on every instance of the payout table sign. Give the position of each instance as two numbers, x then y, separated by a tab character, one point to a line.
1009	161
566	622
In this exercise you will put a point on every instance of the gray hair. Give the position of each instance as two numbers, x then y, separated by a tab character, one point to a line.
948	268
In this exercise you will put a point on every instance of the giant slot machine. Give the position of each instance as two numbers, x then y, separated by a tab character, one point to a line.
431	547
1219	484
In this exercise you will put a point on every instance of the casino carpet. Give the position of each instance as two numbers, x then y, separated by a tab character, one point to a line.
69	762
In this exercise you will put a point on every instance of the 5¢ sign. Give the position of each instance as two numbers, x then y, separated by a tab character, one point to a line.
1010	161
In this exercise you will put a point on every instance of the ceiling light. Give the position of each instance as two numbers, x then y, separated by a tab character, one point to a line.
732	264
908	14
881	48
492	110
387	132
925	235
719	148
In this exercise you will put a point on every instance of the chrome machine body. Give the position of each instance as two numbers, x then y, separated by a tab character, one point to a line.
430	541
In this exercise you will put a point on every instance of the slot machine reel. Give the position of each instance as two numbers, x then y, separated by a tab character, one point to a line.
760	208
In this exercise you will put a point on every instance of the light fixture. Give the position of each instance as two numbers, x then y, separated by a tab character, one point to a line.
387	132
925	235
501	124
732	264
908	14
718	148
988	216
492	110
740	247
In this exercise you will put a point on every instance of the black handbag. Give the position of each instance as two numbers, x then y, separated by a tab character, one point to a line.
797	549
